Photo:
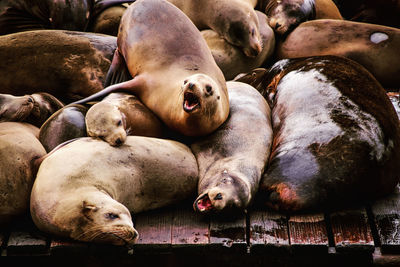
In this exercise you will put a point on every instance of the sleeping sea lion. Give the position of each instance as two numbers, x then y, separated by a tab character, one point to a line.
336	136
144	173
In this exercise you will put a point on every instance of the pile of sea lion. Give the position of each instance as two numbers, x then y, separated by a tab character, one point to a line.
110	108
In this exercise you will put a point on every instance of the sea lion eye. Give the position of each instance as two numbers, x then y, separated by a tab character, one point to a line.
112	216
208	88
119	123
252	32
185	81
218	197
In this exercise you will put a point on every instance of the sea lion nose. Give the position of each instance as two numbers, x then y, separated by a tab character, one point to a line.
277	25
118	142
191	85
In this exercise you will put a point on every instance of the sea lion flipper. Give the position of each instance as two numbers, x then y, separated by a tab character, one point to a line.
118	71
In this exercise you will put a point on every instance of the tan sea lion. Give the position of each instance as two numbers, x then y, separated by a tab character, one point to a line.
234	20
174	73
286	15
34	109
107	20
375	47
336	136
65	124
119	115
144	173
19	147
231	160
230	58
78	63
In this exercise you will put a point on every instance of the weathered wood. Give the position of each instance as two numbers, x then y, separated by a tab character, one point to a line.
268	231
154	228
189	228
308	230
27	243
229	232
386	213
68	247
351	231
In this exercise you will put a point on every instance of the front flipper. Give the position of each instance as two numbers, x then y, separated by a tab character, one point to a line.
118	71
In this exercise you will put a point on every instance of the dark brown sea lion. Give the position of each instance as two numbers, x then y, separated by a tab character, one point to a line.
233	20
19	147
231	59
34	109
87	189
107	20
375	47
72	15
65	124
336	135
119	115
232	159
174	73
286	15
68	65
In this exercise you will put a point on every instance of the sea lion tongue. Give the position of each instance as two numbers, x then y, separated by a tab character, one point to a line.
203	203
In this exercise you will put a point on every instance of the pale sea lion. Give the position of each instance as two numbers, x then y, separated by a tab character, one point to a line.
65	124
286	15
119	115
34	109
230	58
232	159
19	147
375	47
68	65
336	136
174	73
234	20
144	173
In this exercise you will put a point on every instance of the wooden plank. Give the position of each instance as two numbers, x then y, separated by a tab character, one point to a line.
27	243
351	231
308	230
3	241
68	247
386	213
228	231
154	228
268	231
189	228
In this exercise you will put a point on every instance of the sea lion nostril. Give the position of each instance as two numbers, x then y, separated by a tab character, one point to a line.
118	141
191	85
277	25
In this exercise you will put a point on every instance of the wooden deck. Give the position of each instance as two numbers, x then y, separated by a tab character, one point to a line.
177	236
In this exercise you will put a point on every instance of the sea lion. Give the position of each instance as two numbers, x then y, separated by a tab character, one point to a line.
19	147
375	47
65	124
107	20
395	99
34	109
119	115
233	20
336	136
254	78
286	15
174	73
144	173
231	160
72	15
230	58
68	65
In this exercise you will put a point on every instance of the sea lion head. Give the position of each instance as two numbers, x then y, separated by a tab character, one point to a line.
105	121
285	15
227	192
95	217
244	30
15	108
204	103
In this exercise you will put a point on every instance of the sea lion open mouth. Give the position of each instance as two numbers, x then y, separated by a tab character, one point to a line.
191	101
203	204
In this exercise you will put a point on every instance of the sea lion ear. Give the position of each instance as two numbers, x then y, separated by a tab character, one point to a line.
88	208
